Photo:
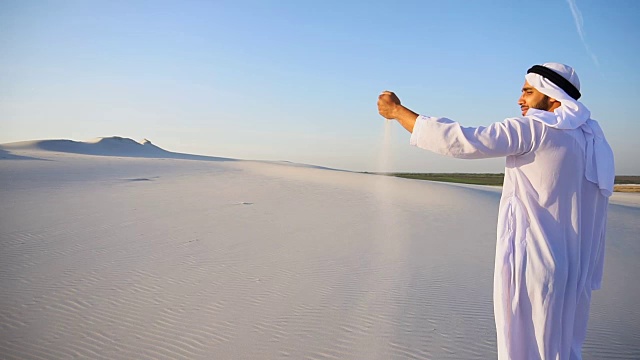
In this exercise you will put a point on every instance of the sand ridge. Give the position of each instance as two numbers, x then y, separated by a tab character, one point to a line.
102	146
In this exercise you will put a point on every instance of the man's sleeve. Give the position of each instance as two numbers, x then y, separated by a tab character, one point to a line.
444	136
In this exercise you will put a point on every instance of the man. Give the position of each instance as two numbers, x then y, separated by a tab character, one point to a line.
552	218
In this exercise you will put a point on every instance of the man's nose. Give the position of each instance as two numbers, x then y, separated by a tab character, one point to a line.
520	101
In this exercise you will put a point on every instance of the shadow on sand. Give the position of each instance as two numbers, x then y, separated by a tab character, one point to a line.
6	155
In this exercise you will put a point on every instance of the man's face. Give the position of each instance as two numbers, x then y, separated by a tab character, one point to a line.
532	98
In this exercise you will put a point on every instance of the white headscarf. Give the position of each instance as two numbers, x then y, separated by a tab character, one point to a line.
572	114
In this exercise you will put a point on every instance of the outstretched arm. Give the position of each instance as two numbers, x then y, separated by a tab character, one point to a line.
390	108
447	137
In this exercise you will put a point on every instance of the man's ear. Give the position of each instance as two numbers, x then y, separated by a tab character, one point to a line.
554	104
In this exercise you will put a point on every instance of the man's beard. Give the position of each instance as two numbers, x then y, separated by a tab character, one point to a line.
542	104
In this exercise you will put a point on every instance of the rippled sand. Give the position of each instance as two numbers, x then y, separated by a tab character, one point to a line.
139	258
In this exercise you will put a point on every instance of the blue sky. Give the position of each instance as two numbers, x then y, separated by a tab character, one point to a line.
299	80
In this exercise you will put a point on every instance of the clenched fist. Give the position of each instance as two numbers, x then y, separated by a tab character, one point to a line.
388	104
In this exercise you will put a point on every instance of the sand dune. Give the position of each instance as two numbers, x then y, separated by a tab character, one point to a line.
103	146
146	256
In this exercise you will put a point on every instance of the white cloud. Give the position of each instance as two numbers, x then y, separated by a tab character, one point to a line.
577	17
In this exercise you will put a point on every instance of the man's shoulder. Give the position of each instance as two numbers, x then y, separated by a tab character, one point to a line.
519	121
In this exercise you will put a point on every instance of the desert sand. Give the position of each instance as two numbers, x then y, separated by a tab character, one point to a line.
113	249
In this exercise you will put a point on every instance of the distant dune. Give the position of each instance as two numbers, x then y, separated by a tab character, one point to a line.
102	146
